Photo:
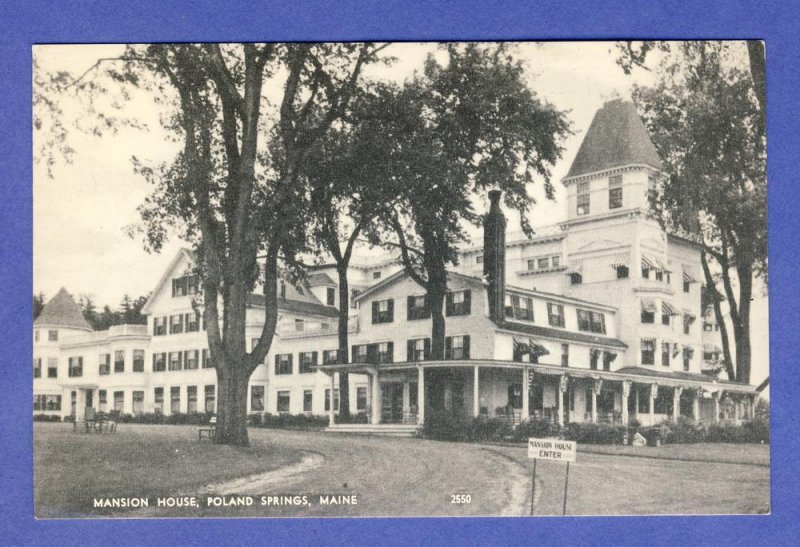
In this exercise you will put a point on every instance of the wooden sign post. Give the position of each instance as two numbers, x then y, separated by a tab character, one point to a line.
556	450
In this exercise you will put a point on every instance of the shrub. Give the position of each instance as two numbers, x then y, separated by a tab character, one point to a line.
46	418
484	428
536	428
293	421
444	426
592	433
756	431
255	420
684	431
358	418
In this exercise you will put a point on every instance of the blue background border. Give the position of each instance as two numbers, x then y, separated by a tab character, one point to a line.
39	21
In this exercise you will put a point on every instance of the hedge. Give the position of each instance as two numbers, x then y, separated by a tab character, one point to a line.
287	421
46	418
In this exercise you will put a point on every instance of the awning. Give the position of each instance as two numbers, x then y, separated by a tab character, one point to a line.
575	267
652	263
648	305
688	276
689	350
649	339
711	348
537	349
668	309
622	259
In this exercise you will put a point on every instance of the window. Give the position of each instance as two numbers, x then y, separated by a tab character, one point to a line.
531	264
385	351
659	275
645	272
543	263
417	308
175	399
575	279
159	326
308	400
479	259
519	307
615	192
331	294
138	402
102	400
456	347
158	400
555	261
119	400
283	289
688	319
52	367
207	362
299	325
210	399
175	360
176	324
376	275
651	184
119	361
382	311
335	400
159	362
361	398
419	349
52	336
330	356
308	360
75	367
583	320
686	286
665	318
648	316
282	401
687	358
354	293
597	322
37	368
52	402
138	360
583	198
648	352
257	398
564	355
594	357
283	363
555	314
192	322
665	354
36	336
622	272
458	303
190	359
186	285
361	353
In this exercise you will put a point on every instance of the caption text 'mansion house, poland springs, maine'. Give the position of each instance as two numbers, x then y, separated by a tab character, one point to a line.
597	318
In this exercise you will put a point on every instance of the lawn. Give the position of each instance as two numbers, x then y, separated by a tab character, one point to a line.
70	469
752	454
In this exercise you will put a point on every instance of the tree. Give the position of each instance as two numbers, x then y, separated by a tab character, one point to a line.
706	115
231	198
344	173
38	304
459	130
88	309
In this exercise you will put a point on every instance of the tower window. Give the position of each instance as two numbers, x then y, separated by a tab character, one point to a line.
615	192
583	198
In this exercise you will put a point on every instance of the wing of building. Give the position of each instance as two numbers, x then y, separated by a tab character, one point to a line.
596	319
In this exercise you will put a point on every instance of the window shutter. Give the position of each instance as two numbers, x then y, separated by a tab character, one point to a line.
391	309
529	301
410	349
466	347
277	361
467	302
291	363
314	358
427	348
374	312
154	362
409	307
390	351
155	325
448	347
448	306
515	305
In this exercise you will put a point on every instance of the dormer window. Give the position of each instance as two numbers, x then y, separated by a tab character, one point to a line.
376	275
615	192
583	198
479	259
186	285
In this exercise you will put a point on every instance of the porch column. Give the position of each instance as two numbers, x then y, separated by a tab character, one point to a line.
562	387
376	399
626	391
653	395
331	413
696	405
476	400
526	410
716	406
736	410
597	385
420	395
676	403
753	401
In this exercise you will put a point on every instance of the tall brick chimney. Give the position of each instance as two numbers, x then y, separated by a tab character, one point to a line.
494	256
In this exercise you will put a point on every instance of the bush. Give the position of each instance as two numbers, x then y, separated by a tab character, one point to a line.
358	418
592	433
444	426
46	418
684	431
756	431
293	421
536	428
484	428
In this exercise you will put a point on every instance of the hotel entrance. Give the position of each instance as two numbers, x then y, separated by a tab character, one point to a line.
392	402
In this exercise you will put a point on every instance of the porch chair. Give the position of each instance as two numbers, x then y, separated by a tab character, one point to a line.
209	431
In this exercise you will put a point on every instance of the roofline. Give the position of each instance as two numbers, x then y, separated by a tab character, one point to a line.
592	174
380	284
614	343
569	299
62	326
182	252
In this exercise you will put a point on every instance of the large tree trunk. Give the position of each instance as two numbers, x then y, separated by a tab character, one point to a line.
232	381
436	292
743	351
344	312
723	329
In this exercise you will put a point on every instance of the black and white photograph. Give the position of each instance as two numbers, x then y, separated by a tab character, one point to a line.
400	279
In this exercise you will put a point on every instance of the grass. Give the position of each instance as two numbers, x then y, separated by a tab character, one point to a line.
750	454
145	460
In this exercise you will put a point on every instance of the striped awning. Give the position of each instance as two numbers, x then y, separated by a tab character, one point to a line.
688	349
537	349
648	305
652	263
575	267
688	276
668	309
622	259
711	348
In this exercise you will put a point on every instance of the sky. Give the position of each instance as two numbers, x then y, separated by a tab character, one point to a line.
81	212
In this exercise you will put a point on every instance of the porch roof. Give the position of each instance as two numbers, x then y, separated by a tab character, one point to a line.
561	334
641	371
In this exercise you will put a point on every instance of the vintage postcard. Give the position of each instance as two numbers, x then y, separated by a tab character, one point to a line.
400	279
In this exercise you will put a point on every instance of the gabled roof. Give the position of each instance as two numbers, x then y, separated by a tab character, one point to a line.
297	306
62	311
401	274
561	334
319	278
615	138
184	252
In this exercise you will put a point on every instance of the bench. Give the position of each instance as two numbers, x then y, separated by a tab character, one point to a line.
209	431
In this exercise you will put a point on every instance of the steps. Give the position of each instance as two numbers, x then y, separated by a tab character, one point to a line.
389	430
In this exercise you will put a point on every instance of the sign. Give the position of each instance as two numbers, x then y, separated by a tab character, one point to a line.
552	449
